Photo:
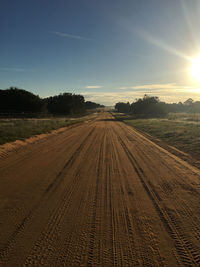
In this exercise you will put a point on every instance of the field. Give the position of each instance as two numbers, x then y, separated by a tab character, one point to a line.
181	130
20	129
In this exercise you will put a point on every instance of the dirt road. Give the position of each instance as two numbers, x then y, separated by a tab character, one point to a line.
98	194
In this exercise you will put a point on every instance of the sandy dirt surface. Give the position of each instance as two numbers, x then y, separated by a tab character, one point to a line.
98	194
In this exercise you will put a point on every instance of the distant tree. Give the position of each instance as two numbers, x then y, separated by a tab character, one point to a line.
189	102
14	100
149	107
66	104
78	104
92	105
196	106
123	107
19	100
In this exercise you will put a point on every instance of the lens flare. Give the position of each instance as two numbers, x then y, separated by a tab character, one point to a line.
195	68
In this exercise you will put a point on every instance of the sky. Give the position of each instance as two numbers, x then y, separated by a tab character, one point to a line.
106	50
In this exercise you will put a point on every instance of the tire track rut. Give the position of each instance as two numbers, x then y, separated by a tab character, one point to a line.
44	197
187	251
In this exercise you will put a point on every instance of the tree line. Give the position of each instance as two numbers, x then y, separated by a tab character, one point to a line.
17	101
151	106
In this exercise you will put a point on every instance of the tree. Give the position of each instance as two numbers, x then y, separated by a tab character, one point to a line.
123	107
148	107
18	100
66	104
189	102
92	105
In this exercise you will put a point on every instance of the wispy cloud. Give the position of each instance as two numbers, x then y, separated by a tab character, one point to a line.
72	36
13	69
169	92
93	86
155	86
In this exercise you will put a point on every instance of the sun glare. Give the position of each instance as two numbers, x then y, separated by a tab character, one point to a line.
195	68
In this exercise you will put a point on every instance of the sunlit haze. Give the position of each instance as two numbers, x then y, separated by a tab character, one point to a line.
195	68
108	51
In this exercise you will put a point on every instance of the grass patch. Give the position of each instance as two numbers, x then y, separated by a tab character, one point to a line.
181	130
184	136
20	129
184	116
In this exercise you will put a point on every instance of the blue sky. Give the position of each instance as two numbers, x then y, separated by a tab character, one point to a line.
107	50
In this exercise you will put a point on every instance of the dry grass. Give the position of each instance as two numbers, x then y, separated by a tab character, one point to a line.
181	130
20	129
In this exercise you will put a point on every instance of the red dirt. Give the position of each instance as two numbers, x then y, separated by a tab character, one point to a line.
98	194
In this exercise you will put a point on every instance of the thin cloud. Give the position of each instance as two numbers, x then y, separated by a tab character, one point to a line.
158	87
155	86
170	93
167	88
13	69
72	36
93	86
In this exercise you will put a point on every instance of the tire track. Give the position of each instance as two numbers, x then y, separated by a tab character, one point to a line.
45	244
46	194
130	256
187	251
94	213
142	227
182	210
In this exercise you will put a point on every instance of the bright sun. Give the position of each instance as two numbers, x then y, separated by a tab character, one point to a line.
195	68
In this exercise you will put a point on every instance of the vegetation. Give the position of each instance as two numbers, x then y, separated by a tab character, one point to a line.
181	130
152	107
18	100
92	105
148	107
190	117
21	103
176	124
19	129
123	107
65	104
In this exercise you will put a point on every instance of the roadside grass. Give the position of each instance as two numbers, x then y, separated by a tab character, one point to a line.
184	116
179	130
20	129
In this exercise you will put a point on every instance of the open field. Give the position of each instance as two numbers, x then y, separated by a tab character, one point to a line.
98	194
181	130
20	129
